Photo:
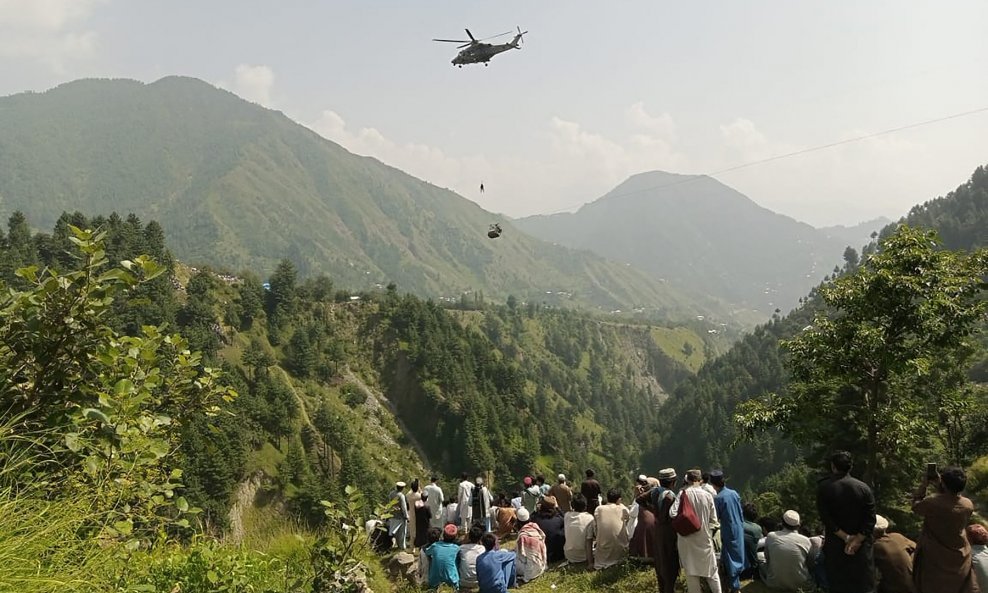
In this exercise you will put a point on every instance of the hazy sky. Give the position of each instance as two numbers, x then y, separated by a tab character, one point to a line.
599	91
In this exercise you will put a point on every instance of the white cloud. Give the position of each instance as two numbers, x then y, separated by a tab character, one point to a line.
53	32
253	83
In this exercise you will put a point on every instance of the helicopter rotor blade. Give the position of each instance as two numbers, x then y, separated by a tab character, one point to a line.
469	34
493	36
453	40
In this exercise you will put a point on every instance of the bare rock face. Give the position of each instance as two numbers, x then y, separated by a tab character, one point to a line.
404	566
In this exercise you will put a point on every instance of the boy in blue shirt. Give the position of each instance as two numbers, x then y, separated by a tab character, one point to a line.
442	560
495	568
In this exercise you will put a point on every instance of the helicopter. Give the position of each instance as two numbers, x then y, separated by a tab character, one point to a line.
476	52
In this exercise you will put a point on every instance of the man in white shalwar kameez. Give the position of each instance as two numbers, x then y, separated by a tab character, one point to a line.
696	551
464	496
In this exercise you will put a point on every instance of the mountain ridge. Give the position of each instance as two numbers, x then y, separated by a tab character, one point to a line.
711	238
241	186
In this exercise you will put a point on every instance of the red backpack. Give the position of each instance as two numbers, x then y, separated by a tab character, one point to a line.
686	522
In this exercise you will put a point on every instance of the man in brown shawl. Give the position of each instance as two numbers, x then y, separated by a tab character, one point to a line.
943	554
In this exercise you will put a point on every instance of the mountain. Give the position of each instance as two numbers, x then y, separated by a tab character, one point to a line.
699	414
699	235
857	235
240	186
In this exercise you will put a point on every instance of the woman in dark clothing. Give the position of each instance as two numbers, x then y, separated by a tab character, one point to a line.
422	517
550	521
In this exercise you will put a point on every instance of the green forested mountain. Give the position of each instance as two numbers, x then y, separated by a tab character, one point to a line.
338	389
240	186
697	233
698	425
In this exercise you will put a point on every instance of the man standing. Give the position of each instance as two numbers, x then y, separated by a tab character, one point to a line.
696	551
531	495
666	553
728	505
562	493
398	523
590	489
435	500
847	509
464	498
787	557
543	487
481	503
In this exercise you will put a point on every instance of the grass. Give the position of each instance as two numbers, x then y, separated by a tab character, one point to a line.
681	344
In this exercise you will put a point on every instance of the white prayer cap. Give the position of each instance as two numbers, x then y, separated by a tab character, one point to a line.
522	514
642	478
561	477
881	523
400	484
791	518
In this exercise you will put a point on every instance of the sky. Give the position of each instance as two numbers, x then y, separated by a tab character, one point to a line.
598	92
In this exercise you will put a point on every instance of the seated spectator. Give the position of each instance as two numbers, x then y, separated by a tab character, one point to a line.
432	536
893	559
531	554
550	521
609	532
495	568
576	523
442	559
978	536
752	533
786	557
516	500
504	520
466	558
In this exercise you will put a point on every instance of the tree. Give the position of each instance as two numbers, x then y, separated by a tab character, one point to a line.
882	371
282	295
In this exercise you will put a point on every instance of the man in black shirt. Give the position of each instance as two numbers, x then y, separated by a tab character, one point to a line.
847	509
590	488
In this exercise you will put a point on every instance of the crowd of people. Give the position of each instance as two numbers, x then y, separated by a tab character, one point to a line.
698	527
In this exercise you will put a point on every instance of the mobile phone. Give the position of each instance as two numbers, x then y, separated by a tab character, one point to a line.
931	471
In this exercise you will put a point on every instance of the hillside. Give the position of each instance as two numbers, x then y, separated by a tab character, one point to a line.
699	234
700	411
239	186
856	235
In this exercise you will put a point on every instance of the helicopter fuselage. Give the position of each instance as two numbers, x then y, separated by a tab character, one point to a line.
481	53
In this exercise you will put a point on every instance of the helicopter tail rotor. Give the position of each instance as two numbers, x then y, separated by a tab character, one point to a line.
519	38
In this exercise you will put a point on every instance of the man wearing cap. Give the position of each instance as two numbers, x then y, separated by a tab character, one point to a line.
531	495
731	517
787	555
464	498
435	501
666	552
590	489
696	550
978	536
847	510
442	560
893	559
481	502
531	557
562	493
642	545
398	523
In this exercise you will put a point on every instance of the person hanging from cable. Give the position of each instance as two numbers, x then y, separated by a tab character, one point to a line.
481	187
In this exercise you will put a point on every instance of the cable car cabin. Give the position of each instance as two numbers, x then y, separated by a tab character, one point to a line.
494	232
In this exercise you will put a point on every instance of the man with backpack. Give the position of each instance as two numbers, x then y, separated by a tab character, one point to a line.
480	504
693	516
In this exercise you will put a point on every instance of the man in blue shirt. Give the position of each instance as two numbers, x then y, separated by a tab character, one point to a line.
495	568
729	512
442	560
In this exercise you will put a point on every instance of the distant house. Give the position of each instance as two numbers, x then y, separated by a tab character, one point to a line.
267	286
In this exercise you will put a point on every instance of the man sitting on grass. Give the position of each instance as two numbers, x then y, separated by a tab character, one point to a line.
495	568
442	559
